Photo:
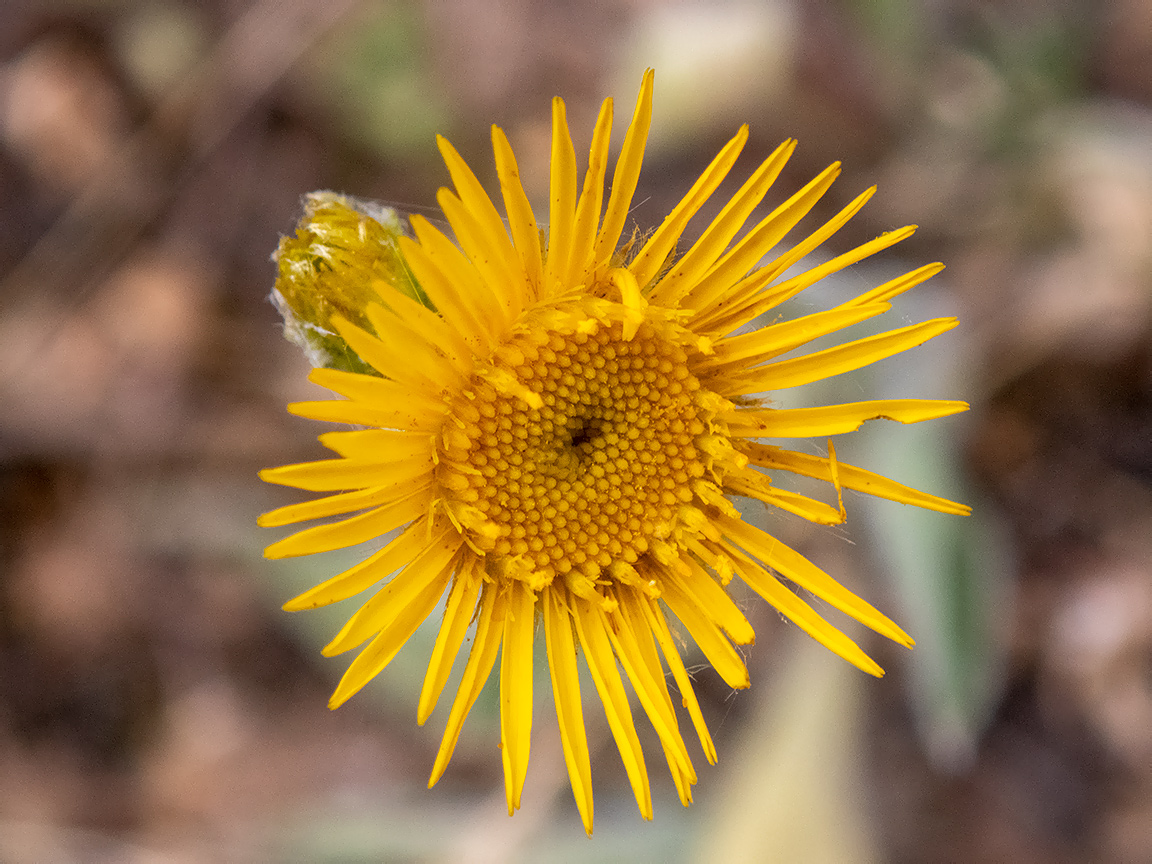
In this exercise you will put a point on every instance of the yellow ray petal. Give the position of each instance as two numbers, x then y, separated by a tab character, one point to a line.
332	505
382	564
833	361
392	637
648	682
834	419
356	529
650	259
485	644
638	627
817	238
591	200
459	306
335	475
384	445
516	690
462	274
794	566
897	286
659	626
753	484
380	393
803	615
425	325
707	635
631	299
561	203
569	703
750	349
472	193
758	242
591	628
680	778
404	360
433	561
521	219
851	477
687	272
402	416
789	288
713	601
457	616
744	303
625	177
509	290
409	326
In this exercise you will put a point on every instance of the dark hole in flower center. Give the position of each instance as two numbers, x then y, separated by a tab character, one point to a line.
583	432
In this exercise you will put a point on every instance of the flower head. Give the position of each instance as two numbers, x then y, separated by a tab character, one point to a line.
557	421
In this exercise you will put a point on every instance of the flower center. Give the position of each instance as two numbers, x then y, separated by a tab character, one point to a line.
592	475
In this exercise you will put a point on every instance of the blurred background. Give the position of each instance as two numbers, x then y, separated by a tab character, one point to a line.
155	704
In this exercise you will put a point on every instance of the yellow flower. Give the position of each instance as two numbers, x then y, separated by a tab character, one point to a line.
558	429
